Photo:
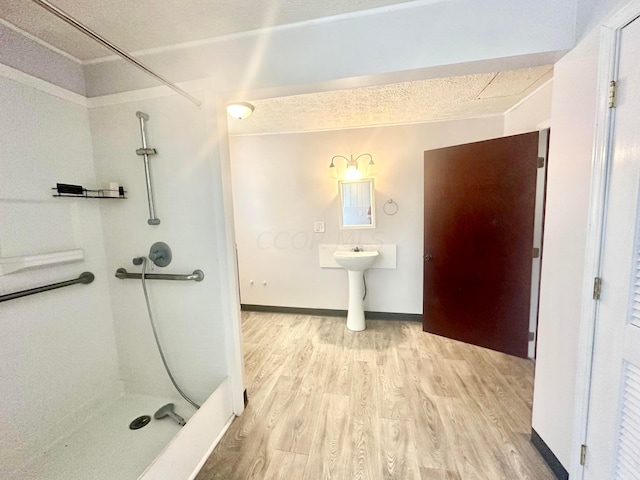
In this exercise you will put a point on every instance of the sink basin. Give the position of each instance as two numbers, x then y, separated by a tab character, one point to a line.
355	261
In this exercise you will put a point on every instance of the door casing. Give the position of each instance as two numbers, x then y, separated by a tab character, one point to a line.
609	40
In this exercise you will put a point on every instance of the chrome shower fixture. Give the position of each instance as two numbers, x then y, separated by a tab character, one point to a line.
160	254
145	152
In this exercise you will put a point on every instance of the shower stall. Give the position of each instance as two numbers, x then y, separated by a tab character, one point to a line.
85	389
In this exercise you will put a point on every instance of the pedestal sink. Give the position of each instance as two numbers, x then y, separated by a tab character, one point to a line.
355	263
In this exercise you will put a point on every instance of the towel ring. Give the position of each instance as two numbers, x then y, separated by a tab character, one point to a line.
390	207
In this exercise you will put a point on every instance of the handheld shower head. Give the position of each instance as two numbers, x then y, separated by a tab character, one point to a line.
168	411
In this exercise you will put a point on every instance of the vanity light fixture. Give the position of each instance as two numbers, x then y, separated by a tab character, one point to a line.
353	172
240	110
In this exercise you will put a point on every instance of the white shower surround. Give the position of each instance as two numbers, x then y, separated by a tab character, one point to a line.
188	314
66	360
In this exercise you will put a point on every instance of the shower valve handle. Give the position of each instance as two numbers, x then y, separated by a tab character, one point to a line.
160	254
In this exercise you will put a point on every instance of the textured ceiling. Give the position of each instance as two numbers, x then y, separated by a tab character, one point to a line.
141	24
409	102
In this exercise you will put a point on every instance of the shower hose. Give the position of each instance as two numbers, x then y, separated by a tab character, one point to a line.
155	335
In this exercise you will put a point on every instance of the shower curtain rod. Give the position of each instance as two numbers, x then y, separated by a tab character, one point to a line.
118	51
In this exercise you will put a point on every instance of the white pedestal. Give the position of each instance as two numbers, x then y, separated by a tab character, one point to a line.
355	316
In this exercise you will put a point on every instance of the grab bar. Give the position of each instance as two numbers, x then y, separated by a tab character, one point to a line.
85	277
197	275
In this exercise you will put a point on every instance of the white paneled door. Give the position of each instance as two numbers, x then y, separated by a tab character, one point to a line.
613	432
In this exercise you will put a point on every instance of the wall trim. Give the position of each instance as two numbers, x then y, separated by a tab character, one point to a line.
160	91
102	101
554	464
373	125
326	312
41	85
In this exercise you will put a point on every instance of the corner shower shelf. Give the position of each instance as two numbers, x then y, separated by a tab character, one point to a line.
28	262
120	194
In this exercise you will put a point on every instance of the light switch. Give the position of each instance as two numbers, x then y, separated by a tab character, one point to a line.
318	227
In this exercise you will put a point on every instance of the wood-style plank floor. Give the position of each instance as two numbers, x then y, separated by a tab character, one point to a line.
390	402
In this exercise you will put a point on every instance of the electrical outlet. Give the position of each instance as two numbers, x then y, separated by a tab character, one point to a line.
318	227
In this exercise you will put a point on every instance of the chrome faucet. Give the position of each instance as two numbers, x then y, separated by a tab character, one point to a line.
357	249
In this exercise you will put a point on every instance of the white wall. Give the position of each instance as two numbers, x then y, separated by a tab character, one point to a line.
569	179
591	12
532	114
57	349
186	180
281	186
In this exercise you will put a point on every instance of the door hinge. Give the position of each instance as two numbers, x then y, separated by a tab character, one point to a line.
536	252
540	162
613	87
583	454
532	336
597	288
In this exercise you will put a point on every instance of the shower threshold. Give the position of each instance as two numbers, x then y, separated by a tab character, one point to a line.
105	448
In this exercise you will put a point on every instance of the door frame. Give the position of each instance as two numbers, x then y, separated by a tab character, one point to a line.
607	71
538	237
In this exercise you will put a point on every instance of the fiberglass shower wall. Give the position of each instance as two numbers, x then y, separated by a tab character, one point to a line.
57	349
189	315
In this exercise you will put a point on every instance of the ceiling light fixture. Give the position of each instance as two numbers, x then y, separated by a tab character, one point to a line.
240	110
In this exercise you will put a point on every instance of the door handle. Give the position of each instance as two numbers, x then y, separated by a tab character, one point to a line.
428	257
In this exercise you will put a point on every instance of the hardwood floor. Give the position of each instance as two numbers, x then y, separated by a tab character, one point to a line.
390	402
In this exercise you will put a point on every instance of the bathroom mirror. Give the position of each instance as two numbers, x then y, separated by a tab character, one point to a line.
357	204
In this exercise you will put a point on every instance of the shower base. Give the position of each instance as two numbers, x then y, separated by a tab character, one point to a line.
104	448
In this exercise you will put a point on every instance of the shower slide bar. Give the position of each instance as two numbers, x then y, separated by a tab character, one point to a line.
85	277
197	275
62	15
145	151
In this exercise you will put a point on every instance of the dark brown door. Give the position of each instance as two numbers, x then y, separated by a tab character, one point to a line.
479	202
